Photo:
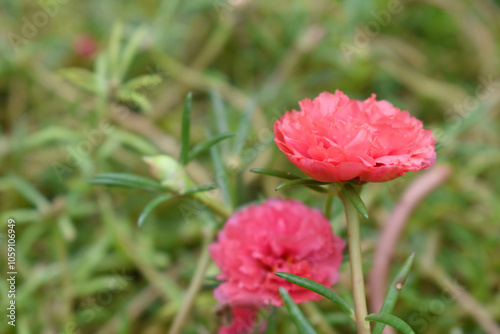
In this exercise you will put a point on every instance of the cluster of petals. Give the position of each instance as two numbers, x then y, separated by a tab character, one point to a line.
334	138
260	240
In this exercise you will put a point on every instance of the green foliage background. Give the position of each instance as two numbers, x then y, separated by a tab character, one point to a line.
85	267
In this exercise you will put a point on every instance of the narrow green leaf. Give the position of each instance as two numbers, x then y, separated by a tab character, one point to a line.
151	206
129	51
300	182
67	227
271	322
28	191
275	172
186	124
220	116
206	145
438	145
114	49
126	181
394	292
147	81
212	282
353	196
101	79
50	134
80	77
118	183
125	327
138	99
285	175
296	314
392	321
198	189
136	142
26	215
244	126
319	289
220	172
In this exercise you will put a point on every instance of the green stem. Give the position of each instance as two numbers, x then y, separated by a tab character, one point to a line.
203	262
194	286
328	207
215	206
358	286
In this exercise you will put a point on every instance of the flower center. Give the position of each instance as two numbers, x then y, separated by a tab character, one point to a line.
273	264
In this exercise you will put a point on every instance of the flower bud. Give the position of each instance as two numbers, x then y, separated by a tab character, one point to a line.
169	172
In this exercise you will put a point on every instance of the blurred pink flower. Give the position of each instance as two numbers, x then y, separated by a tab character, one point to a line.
85	46
334	138
277	235
243	321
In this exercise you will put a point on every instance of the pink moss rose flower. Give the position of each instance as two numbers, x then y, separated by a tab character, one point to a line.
334	138
260	240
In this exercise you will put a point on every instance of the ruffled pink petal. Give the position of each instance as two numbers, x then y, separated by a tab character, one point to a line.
333	138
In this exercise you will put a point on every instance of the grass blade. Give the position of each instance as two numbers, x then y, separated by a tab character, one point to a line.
319	289
151	206
126	181
392	321
296	314
394	292
353	196
28	191
206	145
186	124
300	182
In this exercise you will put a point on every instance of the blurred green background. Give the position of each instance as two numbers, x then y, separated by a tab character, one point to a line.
68	112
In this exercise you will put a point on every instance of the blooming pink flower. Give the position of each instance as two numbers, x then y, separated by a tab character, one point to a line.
334	138
277	235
